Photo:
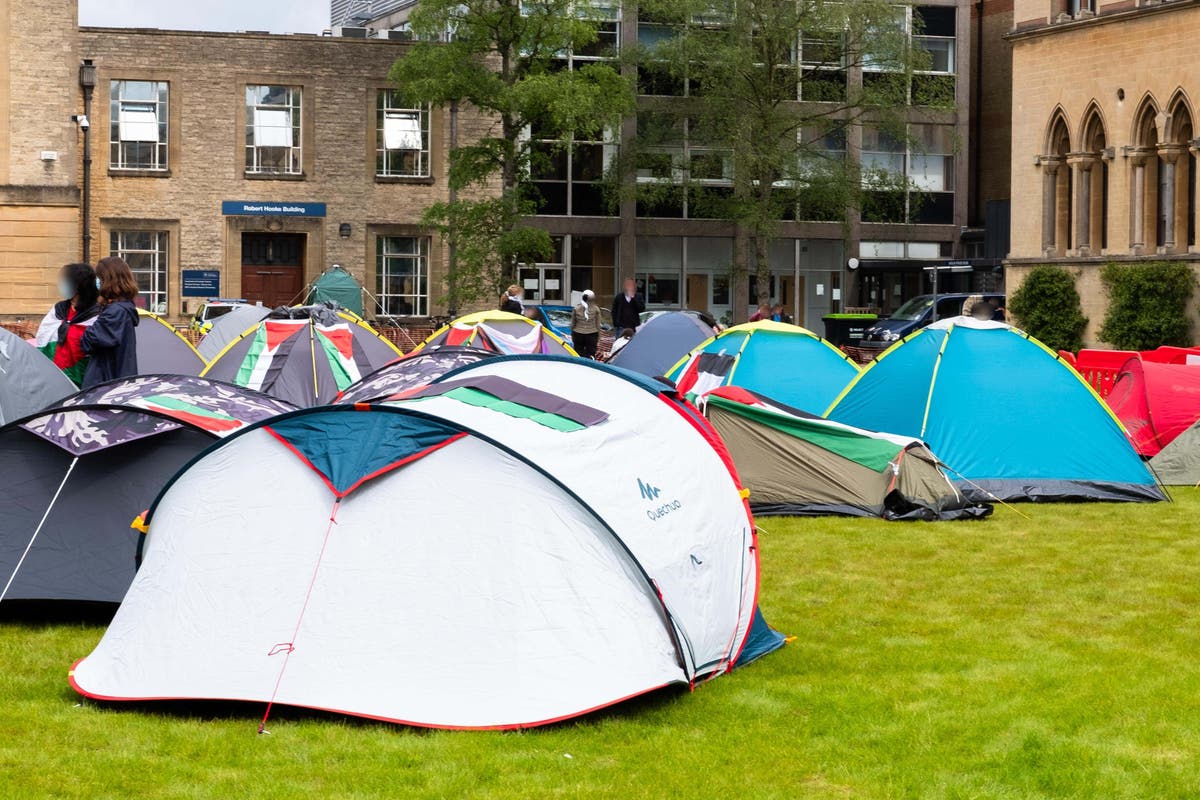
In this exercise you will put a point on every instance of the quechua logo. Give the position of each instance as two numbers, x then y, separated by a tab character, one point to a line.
650	492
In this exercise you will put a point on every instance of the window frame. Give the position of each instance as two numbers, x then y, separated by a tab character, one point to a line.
419	300
297	152
386	101
161	161
160	271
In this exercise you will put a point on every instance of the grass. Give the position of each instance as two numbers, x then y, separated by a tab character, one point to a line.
1052	657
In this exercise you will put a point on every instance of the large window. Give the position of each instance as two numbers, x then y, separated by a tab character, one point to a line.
932	33
660	269
146	254
679	171
569	178
273	138
402	138
402	275
138	125
909	181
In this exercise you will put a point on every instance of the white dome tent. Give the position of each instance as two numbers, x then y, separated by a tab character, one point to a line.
538	599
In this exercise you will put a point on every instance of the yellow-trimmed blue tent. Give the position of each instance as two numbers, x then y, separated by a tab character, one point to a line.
1008	417
787	363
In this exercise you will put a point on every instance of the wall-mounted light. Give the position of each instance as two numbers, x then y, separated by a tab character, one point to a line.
344	230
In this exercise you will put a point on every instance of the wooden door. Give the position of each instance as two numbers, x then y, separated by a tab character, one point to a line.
697	292
273	268
787	296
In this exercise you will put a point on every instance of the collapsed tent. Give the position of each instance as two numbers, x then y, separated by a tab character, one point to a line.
500	332
1156	402
162	350
1007	416
337	286
76	474
661	342
304	355
785	362
545	596
230	325
797	464
1178	464
397	379
28	380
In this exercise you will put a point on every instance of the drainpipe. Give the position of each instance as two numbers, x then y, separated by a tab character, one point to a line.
87	82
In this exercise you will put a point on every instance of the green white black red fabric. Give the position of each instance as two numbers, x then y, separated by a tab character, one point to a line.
511	547
305	359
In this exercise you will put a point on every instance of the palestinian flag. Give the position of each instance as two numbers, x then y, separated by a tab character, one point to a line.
272	342
215	422
337	342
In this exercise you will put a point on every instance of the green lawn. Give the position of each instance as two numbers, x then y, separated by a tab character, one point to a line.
1055	657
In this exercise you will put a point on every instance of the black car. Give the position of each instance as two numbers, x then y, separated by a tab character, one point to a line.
918	312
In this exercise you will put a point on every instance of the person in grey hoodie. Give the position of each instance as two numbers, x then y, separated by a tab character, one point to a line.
111	340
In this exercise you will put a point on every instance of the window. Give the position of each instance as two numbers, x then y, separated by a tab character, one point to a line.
909	181
273	137
138	117
659	269
402	275
146	254
569	178
402	138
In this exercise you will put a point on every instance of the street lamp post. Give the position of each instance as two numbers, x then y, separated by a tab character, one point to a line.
87	82
953	266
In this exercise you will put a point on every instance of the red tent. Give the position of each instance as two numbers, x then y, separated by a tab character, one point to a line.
1155	401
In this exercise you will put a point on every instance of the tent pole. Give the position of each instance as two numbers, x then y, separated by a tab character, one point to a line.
37	530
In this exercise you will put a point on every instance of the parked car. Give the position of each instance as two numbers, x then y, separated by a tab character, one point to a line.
917	313
210	310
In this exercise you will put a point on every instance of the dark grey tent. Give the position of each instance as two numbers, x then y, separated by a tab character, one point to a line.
162	350
28	380
78	473
661	342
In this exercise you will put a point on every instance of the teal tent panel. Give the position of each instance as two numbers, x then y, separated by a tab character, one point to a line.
1064	433
340	287
347	446
891	395
800	371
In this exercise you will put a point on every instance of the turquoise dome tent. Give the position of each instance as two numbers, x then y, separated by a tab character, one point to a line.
789	364
1008	417
337	286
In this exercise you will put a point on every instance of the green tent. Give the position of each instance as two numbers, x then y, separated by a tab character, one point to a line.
337	286
797	464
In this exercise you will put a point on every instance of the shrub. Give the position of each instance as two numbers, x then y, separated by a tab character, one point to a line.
1147	305
1047	307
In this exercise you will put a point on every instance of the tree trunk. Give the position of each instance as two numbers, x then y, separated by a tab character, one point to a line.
762	267
739	279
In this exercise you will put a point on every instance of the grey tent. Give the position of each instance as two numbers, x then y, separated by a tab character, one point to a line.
1178	464
661	342
229	326
305	355
162	350
28	380
796	464
338	286
78	473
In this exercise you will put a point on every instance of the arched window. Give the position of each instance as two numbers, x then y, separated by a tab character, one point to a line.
1144	188
1090	172
1177	194
1056	188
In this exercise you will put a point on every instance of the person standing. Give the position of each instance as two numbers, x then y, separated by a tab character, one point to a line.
763	313
111	340
779	314
585	325
627	307
510	301
60	335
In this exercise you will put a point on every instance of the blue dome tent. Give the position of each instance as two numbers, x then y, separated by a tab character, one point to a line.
787	363
1008	417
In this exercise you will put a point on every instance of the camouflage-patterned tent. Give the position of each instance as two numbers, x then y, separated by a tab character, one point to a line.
406	375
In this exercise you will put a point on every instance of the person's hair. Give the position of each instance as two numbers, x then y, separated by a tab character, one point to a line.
777	305
629	279
764	305
116	280
83	279
627	333
512	291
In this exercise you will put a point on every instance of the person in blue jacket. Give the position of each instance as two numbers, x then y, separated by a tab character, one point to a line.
111	340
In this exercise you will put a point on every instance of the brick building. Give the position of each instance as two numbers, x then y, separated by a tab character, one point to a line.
1106	158
682	258
261	158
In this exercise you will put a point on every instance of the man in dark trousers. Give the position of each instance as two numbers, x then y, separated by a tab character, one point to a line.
627	307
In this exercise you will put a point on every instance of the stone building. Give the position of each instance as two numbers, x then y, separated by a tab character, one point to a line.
1103	145
681	257
231	165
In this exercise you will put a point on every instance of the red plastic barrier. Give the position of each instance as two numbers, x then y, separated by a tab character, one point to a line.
1100	367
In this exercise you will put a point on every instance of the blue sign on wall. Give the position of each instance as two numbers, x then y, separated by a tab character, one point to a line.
266	208
201	283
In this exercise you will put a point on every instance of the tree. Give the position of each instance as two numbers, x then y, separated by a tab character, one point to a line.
1147	305
502	58
767	97
1047	306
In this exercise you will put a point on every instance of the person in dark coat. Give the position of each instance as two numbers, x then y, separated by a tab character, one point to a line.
627	307
111	340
